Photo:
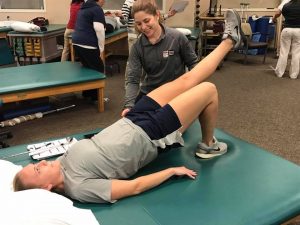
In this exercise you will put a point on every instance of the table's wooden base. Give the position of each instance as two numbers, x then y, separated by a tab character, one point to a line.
63	89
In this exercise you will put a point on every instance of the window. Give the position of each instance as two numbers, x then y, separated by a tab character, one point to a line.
117	4
22	4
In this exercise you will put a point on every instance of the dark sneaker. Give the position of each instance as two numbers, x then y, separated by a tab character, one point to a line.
208	152
233	28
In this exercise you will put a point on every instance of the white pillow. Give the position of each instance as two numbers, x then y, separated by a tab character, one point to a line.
6	23
25	27
38	206
184	31
8	171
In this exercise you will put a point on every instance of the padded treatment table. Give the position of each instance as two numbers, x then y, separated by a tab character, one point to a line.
4	31
41	80
246	186
6	56
111	40
194	36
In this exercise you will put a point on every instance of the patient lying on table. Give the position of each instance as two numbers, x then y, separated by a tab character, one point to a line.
94	170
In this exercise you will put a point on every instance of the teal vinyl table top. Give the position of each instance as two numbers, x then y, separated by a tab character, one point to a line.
246	186
109	35
15	79
5	29
116	32
195	33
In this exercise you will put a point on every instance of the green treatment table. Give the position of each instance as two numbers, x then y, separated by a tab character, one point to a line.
247	186
41	80
118	36
6	56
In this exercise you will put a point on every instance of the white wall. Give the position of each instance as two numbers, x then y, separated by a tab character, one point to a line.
57	11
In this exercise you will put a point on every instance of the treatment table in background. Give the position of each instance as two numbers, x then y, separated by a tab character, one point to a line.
194	36
6	56
4	31
39	45
246	186
42	80
115	44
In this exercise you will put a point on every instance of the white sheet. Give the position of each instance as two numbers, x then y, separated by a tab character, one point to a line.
6	23
7	174
25	27
36	206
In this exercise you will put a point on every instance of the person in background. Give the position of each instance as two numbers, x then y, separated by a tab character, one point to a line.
75	6
161	54
290	38
89	37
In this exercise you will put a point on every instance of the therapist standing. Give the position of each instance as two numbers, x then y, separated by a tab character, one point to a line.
160	54
290	38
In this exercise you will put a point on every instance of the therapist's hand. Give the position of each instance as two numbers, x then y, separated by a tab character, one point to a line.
118	13
124	112
171	13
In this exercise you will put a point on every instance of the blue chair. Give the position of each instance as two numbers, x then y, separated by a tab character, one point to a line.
249	44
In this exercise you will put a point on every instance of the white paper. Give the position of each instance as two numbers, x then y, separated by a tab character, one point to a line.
179	6
49	149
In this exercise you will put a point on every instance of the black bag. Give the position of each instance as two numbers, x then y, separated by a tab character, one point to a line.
41	22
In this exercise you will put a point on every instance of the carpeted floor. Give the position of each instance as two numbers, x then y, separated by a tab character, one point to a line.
255	106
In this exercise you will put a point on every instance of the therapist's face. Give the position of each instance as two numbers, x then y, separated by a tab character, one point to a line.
41	175
146	23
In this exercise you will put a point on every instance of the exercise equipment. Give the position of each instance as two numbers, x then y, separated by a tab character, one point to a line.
25	118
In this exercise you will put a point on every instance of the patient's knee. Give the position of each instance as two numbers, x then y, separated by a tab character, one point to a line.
210	87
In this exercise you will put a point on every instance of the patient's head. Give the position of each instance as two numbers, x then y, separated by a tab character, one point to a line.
45	175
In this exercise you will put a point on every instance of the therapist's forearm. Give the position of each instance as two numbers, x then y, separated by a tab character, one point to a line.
100	33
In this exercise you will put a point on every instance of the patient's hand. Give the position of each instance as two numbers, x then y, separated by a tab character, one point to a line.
124	112
182	170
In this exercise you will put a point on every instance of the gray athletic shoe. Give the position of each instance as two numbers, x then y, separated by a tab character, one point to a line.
233	28
206	152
